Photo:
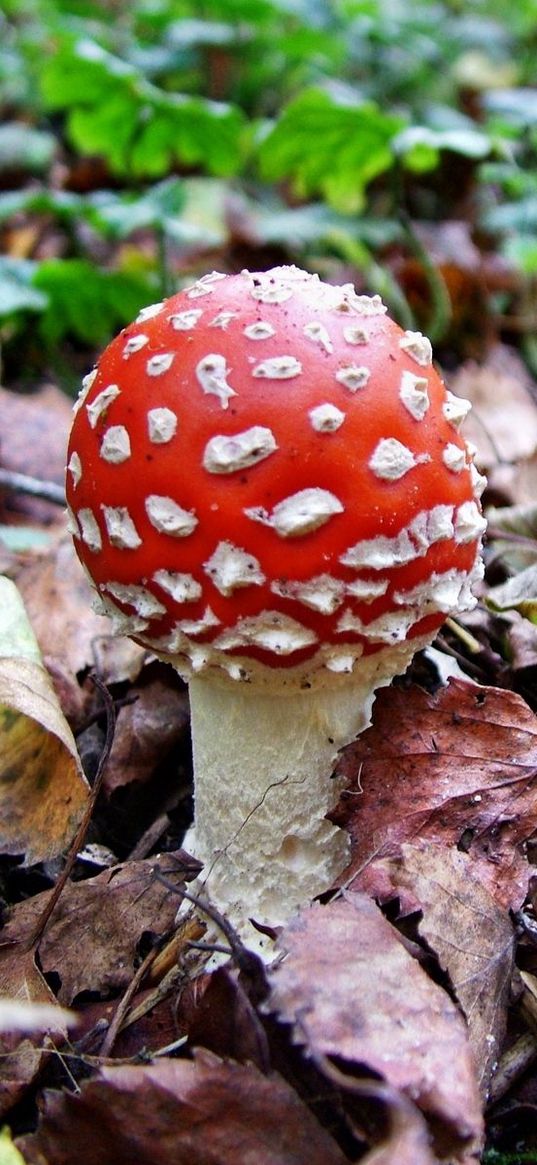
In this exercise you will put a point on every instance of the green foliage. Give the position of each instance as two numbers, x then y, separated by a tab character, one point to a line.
140	130
324	129
17	293
353	144
84	302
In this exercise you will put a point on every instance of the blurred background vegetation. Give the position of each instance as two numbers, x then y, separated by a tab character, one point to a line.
143	142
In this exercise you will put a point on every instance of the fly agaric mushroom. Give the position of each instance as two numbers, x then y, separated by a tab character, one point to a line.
268	489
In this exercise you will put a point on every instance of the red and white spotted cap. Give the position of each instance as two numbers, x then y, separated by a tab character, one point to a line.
266	473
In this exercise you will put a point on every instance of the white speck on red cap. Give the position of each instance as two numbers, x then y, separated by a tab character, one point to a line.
160	363
341	660
390	627
454	458
122	532
278	368
134	344
326	418
89	529
418	347
440	592
367	590
184	321
161	425
414	394
168	517
353	376
270	630
115	445
230	567
364	305
75	468
391	459
300	513
198	289
317	332
183	588
211	374
198	626
413	541
147	313
260	330
99	407
144	602
469	522
322	593
455	409
267	290
355	334
87	384
228	454
478	480
223	320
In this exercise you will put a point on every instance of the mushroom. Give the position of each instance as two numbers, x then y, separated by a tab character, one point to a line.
268	488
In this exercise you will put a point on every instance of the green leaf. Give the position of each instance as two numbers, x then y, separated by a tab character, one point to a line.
16	291
513	530
25	148
119	216
32	201
420	146
517	594
85	302
9	1154
519	106
331	147
521	251
112	110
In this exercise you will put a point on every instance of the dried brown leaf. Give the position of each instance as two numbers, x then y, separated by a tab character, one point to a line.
180	1112
71	636
503	422
43	791
409	1143
472	938
225	1021
352	992
92	937
22	1058
457	768
146	730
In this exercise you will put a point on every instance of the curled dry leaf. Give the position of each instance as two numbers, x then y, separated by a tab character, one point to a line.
180	1112
471	936
92	937
22	984
503	422
352	992
43	791
146	730
457	768
71	636
408	1143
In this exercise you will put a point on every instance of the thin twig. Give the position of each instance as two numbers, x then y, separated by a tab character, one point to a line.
123	1006
247	961
80	835
22	483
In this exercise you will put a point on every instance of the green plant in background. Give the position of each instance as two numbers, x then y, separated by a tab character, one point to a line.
331	130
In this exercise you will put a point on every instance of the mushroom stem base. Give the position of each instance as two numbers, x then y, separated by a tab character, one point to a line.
263	765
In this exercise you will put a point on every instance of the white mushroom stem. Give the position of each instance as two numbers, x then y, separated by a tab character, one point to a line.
263	789
263	763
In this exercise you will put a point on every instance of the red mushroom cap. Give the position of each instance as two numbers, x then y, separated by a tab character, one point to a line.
266	472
